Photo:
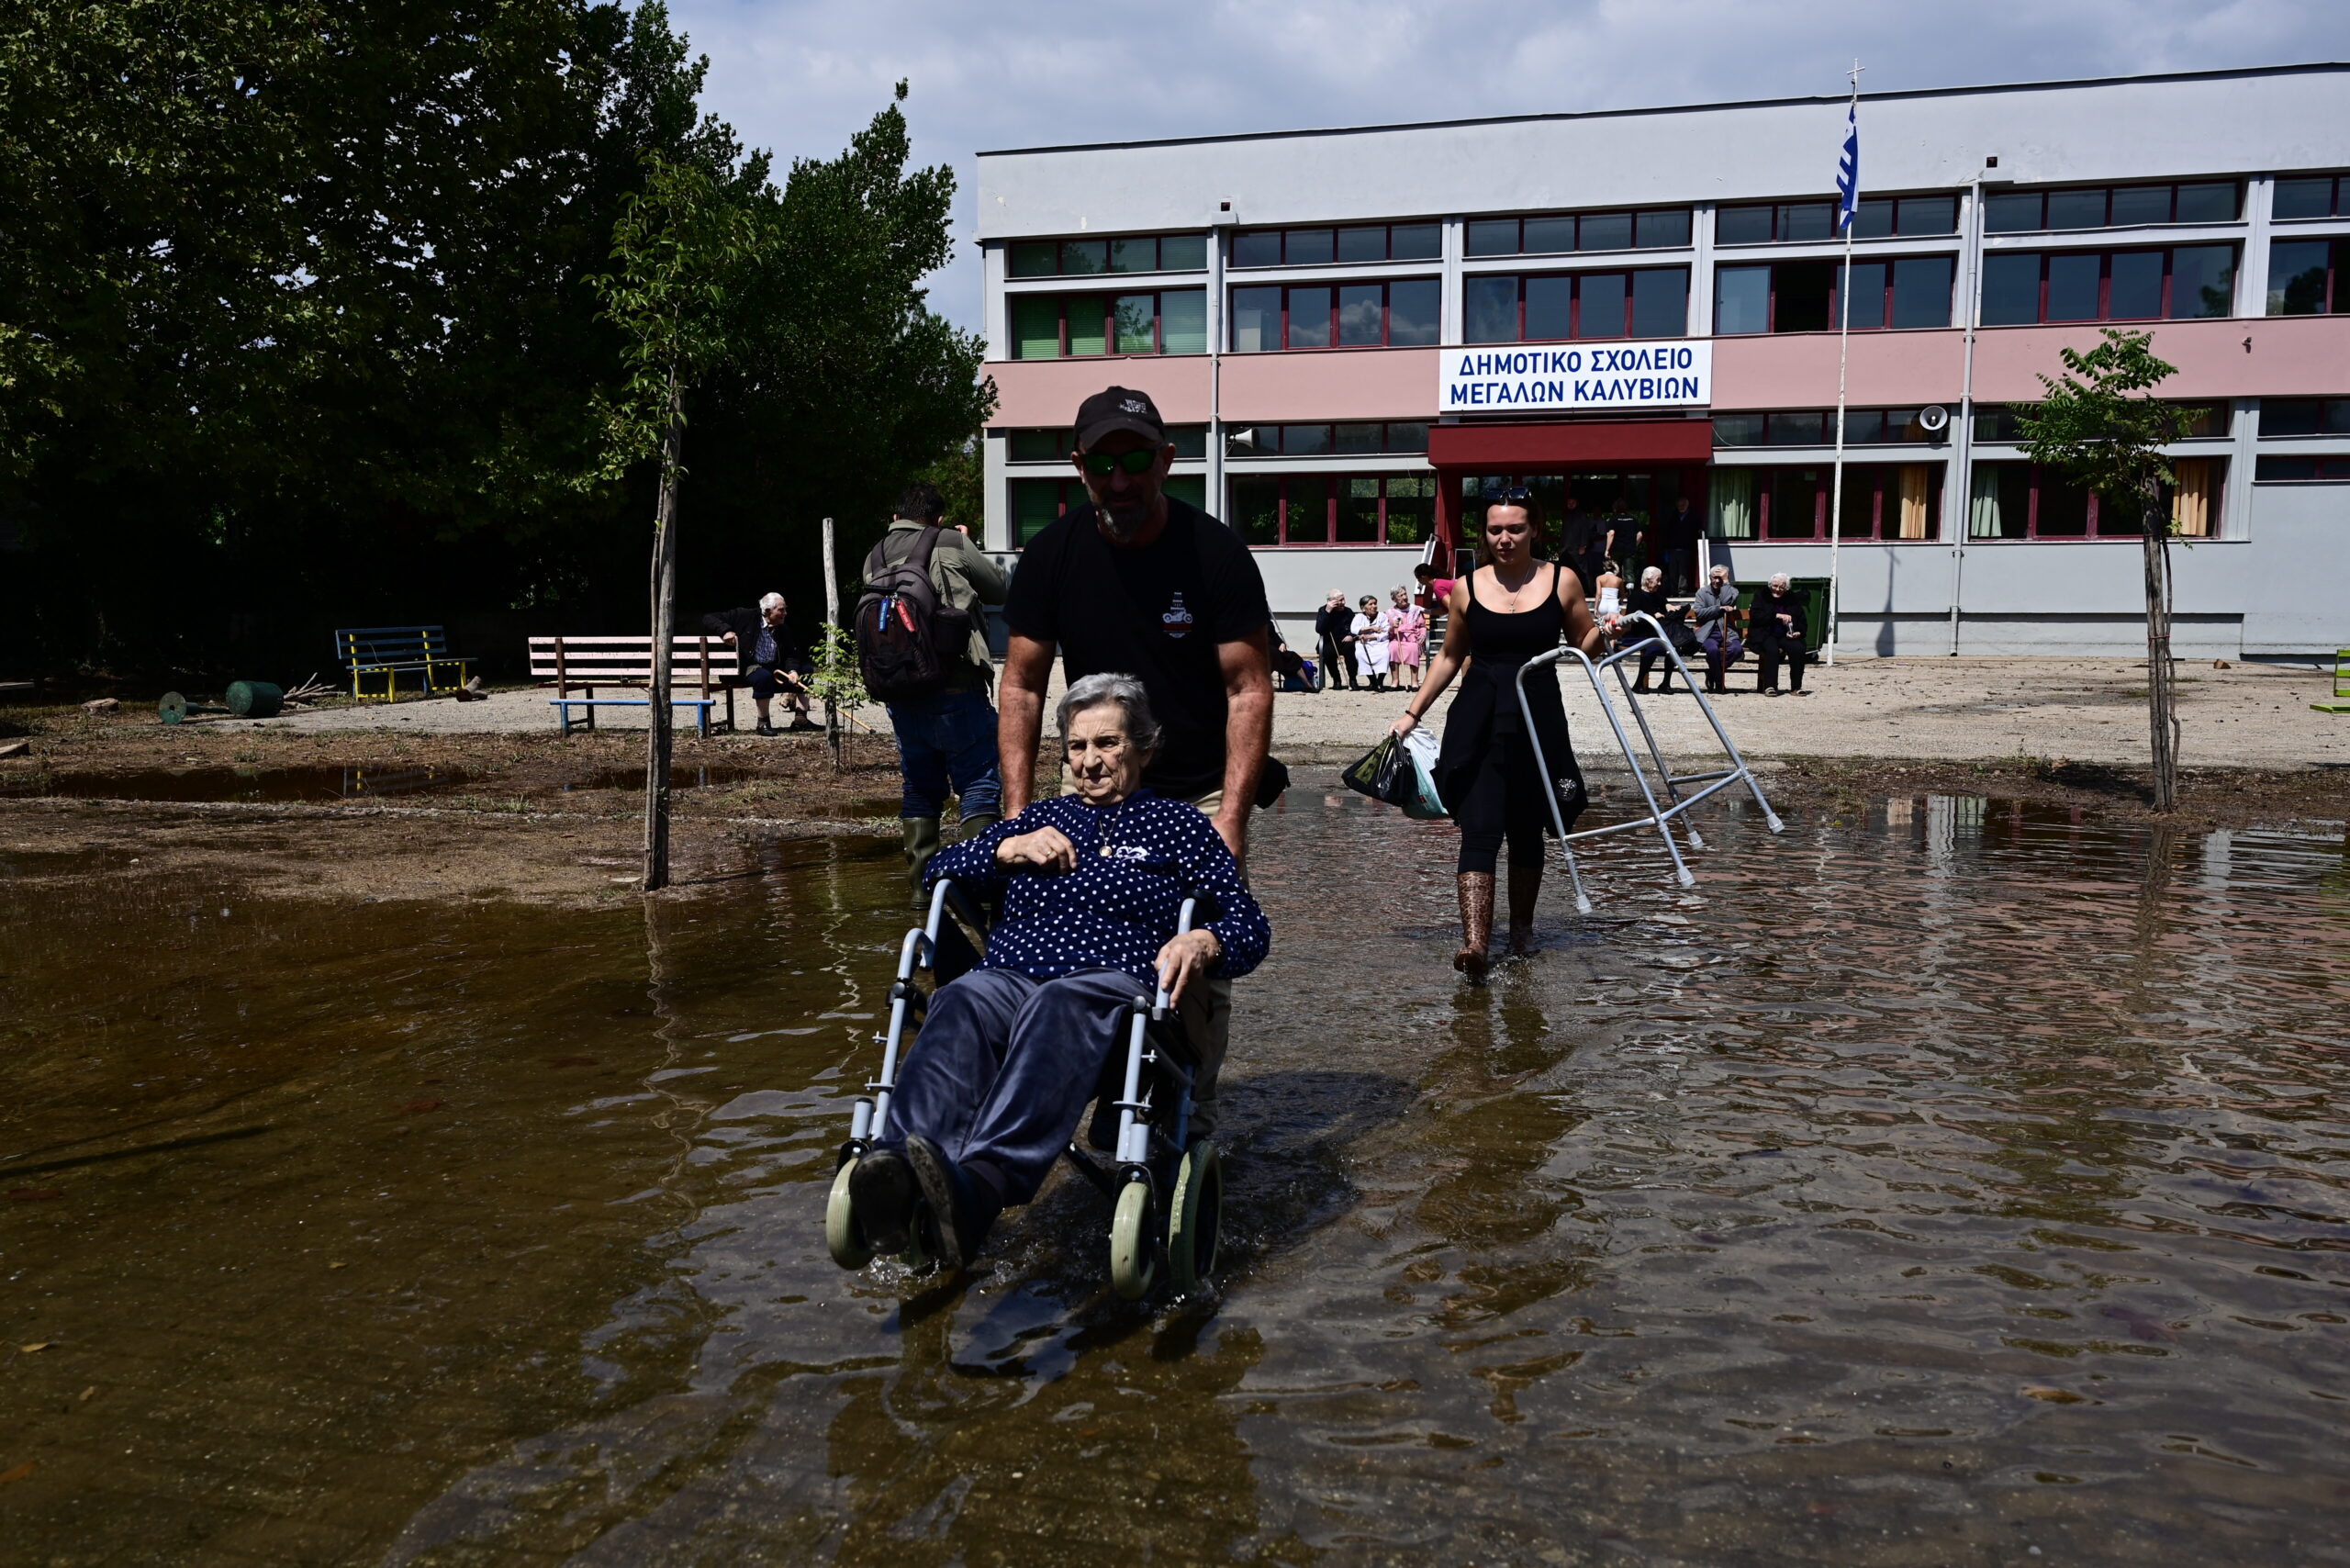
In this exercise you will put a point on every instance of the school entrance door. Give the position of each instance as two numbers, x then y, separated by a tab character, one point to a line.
1627	473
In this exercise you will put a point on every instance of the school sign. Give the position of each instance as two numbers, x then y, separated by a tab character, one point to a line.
1655	374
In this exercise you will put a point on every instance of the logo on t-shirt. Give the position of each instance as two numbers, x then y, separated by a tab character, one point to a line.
1178	619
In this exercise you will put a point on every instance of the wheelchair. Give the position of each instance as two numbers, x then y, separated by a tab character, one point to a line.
1165	1186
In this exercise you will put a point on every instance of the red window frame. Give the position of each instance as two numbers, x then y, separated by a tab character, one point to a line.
1575	306
1331	498
1883	494
2105	281
2093	531
1335	286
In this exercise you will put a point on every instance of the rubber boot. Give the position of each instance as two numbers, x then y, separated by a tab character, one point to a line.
1476	923
921	843
1524	888
975	825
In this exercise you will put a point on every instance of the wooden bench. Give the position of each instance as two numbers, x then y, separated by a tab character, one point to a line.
701	675
388	649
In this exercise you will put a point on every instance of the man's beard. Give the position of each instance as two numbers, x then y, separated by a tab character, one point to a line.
1123	528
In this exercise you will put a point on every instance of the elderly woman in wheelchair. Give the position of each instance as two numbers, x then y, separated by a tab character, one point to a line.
1094	949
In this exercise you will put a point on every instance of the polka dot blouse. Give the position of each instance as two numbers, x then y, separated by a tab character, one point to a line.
1136	862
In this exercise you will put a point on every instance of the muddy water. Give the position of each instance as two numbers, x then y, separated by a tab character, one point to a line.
233	783
1957	1183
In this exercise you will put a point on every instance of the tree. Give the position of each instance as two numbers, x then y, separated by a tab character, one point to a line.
678	252
2101	424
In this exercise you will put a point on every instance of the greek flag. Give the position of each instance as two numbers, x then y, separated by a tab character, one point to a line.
1848	169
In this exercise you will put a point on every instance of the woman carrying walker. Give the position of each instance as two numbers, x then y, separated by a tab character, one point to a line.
1507	612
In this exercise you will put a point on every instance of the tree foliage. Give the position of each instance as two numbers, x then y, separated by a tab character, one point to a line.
297	316
2101	424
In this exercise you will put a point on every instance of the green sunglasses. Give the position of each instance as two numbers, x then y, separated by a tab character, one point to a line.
1101	464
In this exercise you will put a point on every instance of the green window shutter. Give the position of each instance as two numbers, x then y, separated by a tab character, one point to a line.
1088	318
1183	321
1035	326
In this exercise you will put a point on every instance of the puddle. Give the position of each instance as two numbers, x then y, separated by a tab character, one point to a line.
1967	1179
231	783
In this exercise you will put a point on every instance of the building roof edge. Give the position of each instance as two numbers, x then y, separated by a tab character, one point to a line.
2304	68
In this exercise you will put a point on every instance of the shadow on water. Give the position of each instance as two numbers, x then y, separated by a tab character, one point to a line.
1924	1187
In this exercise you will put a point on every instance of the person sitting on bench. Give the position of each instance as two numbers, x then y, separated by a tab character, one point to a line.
1777	635
772	657
1092	885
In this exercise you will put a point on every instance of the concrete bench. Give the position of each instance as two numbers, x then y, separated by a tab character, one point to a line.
701	675
388	650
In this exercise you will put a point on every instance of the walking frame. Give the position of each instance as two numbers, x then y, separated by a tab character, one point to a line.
1657	817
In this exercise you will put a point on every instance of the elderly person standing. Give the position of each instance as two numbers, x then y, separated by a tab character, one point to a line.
1091	883
769	656
1407	637
1716	612
1778	626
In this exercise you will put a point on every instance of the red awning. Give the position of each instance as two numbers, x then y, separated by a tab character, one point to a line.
1517	449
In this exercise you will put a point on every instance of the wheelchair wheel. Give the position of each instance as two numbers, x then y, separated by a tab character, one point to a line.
1195	1216
842	1237
1133	1263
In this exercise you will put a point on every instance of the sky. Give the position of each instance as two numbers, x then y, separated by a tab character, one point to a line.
800	78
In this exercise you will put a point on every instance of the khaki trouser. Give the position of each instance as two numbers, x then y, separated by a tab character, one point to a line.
1206	1010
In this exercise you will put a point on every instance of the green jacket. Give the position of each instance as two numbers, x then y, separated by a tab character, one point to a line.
965	580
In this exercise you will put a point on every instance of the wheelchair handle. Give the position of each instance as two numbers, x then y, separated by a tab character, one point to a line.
1182	928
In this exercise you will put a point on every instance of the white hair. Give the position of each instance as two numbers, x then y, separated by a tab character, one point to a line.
770	602
1778	582
1093	690
1653	573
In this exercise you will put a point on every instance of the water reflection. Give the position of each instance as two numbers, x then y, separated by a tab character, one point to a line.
1957	1178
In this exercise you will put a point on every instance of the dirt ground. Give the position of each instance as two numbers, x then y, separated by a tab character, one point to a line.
523	812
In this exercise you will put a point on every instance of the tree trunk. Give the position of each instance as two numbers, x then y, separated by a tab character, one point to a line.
2161	717
831	619
657	744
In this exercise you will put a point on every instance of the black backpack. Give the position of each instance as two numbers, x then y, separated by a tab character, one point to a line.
907	641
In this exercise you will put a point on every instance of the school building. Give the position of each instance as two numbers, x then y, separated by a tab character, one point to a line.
1359	332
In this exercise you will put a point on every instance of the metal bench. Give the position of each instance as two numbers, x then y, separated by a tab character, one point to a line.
701	675
388	649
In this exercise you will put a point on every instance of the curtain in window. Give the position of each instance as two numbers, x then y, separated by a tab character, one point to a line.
1915	485
1982	512
1733	503
2190	509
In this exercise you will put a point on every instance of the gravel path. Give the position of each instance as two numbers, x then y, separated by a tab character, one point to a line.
1943	709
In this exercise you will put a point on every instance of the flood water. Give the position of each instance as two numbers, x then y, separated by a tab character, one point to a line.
1958	1183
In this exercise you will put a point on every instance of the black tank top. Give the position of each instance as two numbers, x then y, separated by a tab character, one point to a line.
1501	640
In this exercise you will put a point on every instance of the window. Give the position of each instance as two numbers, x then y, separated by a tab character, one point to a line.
1055	326
1322	247
1054	445
1036	502
1335	314
1801	296
1507	309
2309	277
2115	207
1334	509
2304	416
1817	427
1882	500
1995	422
2025	500
1314	441
1558	233
2298	470
1131	254
2310	195
1879	218
2108	285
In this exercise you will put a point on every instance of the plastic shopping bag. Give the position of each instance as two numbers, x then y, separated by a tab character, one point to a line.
1385	773
1426	804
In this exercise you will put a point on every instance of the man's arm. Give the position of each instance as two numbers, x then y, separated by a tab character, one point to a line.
1248	732
1020	718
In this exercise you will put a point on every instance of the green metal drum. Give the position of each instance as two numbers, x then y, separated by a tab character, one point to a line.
172	708
255	698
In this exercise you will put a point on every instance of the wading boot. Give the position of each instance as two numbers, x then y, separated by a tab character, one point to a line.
975	825
1476	923
1525	887
921	843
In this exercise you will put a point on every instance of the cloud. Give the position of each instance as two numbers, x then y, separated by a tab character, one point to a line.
801	77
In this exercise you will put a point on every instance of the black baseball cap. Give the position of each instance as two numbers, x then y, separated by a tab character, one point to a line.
1119	409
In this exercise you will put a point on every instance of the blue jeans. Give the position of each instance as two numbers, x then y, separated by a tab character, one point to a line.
947	738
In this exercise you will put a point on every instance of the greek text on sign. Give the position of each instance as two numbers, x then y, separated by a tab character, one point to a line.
1592	375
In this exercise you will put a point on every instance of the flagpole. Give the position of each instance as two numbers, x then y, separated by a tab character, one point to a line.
1848	215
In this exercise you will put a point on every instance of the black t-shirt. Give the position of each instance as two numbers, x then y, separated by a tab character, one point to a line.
1156	613
1580	536
1681	529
